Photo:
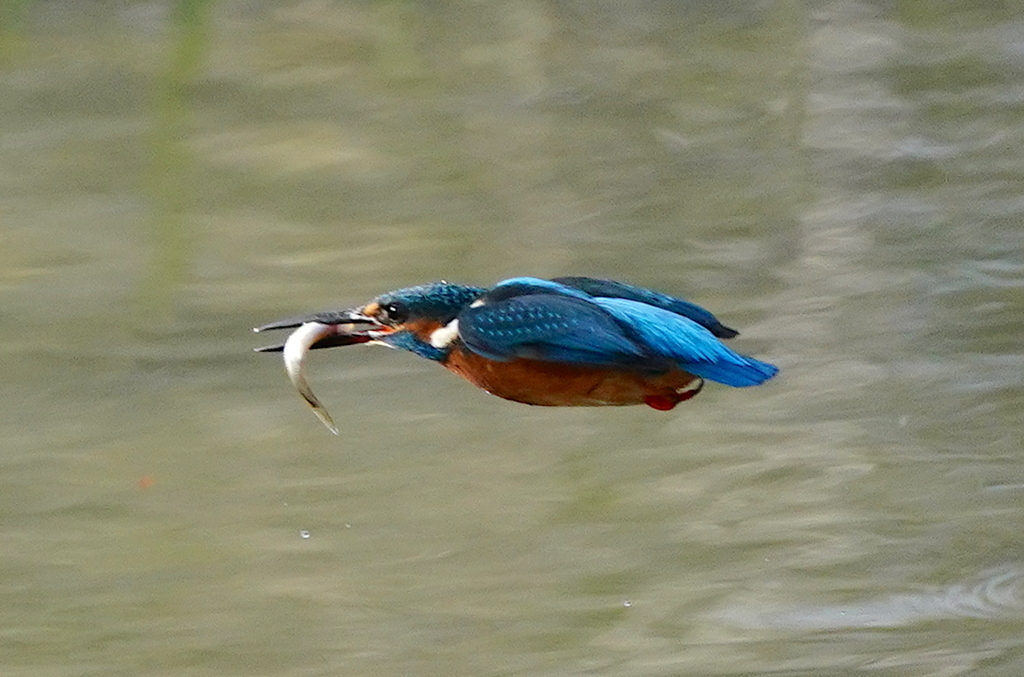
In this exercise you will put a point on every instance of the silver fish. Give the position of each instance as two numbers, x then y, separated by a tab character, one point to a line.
295	350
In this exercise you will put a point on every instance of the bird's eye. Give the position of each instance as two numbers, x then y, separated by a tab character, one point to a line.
395	312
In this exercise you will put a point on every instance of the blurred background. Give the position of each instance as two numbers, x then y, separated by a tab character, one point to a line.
841	181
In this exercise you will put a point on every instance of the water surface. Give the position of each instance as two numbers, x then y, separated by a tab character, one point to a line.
841	181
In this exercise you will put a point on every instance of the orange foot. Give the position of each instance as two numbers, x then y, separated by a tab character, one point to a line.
668	402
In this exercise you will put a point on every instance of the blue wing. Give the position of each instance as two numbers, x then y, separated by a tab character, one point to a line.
594	322
692	346
620	290
549	327
526	286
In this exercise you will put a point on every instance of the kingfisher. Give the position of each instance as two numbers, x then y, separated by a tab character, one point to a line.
567	341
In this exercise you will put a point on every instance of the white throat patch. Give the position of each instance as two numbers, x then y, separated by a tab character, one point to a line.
442	338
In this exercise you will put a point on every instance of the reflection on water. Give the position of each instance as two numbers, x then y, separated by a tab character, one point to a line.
840	182
995	595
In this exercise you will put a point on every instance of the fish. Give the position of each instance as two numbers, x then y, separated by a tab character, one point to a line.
310	335
296	347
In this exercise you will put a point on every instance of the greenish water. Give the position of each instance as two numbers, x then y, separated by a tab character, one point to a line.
843	182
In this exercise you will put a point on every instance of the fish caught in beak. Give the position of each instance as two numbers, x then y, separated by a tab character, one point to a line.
323	330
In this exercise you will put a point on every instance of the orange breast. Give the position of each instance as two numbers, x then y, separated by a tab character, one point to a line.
553	385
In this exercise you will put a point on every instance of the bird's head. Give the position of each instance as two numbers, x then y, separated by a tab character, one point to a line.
419	319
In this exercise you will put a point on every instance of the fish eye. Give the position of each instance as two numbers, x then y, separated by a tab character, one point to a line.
395	312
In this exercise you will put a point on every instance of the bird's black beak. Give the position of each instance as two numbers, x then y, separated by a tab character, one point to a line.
346	328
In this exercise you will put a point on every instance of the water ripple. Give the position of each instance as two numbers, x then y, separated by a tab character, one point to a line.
995	594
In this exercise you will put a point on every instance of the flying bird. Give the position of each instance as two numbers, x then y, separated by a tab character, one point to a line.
568	341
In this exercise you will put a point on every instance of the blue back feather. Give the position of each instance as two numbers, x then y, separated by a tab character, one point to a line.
604	323
621	290
693	347
548	327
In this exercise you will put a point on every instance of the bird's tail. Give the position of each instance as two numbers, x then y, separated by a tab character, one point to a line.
739	374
